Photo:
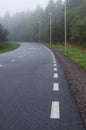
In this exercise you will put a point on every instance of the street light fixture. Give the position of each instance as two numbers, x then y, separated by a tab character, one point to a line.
50	28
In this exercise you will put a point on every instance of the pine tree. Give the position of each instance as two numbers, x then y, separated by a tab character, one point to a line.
3	33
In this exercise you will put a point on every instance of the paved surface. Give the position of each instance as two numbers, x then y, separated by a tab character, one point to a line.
34	93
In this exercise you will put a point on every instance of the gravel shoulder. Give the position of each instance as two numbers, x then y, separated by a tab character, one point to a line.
77	80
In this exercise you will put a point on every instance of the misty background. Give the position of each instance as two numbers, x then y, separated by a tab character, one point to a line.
24	25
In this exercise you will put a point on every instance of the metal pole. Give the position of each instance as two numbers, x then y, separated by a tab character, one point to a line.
50	29
32	33
39	31
65	29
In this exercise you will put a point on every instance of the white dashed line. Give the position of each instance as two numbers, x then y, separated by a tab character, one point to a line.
55	69
55	110
55	65
51	53
12	60
55	87
54	61
29	48
1	65
55	75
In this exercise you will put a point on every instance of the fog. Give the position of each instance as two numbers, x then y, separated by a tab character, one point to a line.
13	6
30	21
21	18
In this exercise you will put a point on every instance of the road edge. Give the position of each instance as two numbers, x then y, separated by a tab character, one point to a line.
77	93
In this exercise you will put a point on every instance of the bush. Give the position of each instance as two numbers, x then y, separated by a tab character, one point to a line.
78	32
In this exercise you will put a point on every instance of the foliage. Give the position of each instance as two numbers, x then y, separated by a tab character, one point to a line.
5	47
58	29
78	33
76	54
3	33
75	3
24	26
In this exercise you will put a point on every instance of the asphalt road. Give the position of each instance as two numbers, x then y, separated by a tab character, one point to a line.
34	93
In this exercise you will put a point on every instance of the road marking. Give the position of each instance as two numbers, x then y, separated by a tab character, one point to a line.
55	110
12	60
55	69
55	65
1	65
51	53
54	61
29	48
32	48
55	75
55	87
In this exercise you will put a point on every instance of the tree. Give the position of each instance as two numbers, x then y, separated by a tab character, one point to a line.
78	33
51	6
58	29
3	34
75	3
27	23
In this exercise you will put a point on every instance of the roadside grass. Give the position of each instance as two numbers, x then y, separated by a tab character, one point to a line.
5	47
77	54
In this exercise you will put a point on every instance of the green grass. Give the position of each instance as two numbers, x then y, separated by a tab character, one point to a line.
77	54
5	47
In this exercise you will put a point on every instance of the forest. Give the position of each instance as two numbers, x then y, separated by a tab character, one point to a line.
24	26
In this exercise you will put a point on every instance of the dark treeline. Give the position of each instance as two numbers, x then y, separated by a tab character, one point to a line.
24	26
3	34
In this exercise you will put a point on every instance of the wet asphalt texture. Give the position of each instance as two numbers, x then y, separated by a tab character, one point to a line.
26	92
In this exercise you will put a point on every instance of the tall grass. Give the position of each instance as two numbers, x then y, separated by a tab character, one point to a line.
76	53
5	47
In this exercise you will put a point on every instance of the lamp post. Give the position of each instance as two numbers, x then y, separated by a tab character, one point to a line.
39	31
32	33
50	28
65	19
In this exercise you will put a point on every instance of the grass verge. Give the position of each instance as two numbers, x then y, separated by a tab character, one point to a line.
5	47
77	54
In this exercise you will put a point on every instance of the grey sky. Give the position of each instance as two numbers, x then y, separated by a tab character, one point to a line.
13	6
